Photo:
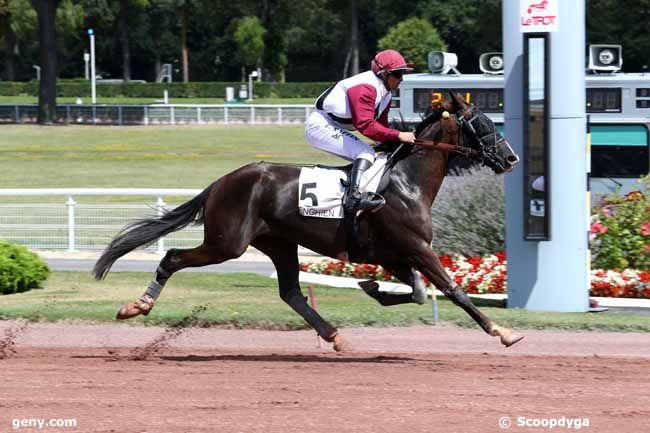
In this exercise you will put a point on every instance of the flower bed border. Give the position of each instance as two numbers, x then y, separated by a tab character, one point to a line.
487	274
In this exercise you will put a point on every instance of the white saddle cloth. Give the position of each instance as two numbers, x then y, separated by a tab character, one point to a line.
320	192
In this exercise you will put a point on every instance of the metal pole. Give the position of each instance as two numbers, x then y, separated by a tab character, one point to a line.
434	305
93	83
86	65
250	87
71	239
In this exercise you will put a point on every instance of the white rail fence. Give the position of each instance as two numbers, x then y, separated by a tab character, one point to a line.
78	221
163	114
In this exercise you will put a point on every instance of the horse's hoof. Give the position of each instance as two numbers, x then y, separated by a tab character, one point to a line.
341	344
133	309
511	338
419	295
508	336
369	286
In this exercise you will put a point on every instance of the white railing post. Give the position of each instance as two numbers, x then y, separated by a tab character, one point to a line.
225	115
71	238
279	115
146	115
306	113
160	206
198	115
252	115
172	115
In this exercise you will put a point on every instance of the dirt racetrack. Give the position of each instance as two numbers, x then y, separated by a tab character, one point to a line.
117	378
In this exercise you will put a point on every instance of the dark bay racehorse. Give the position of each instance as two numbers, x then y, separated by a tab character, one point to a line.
258	205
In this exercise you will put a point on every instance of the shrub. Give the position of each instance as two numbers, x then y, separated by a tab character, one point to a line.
74	88
20	269
620	232
469	214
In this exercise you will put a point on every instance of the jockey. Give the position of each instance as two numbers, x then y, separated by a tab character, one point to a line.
359	103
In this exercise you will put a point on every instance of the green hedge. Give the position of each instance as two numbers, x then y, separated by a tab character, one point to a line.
20	269
74	88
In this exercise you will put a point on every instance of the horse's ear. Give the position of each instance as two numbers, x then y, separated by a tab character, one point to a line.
442	105
456	99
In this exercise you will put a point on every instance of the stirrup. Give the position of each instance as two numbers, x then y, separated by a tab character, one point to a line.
370	201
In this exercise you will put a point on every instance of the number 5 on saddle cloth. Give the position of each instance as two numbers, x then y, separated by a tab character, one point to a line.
321	193
321	189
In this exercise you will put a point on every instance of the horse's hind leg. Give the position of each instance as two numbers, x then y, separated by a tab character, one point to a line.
174	261
285	259
406	275
427	262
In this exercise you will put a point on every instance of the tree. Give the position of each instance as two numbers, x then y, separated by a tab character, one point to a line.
353	54
414	38
9	38
469	28
607	23
249	37
46	13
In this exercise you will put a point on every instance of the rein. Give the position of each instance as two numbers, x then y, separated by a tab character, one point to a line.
446	147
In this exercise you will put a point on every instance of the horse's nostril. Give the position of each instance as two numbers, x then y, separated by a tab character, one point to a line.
513	159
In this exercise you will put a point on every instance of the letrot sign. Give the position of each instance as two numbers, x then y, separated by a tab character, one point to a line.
538	16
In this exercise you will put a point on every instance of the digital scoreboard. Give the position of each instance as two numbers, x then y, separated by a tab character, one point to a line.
487	100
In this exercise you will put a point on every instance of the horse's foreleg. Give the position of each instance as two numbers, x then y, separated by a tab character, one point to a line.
285	259
428	263
174	260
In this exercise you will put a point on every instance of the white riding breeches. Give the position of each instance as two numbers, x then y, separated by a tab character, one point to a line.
323	134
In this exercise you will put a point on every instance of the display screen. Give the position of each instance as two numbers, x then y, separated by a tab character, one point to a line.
643	92
537	176
487	100
603	100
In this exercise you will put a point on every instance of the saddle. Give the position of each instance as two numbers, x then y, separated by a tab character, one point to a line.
351	219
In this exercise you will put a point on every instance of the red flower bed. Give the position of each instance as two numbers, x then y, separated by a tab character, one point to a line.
487	274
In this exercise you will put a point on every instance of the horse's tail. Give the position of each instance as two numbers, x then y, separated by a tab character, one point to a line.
148	230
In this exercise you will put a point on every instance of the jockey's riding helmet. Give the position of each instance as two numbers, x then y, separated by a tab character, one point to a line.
388	61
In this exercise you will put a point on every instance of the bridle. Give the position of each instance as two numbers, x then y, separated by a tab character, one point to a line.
447	147
488	143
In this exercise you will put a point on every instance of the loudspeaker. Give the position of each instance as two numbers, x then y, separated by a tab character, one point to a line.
605	58
491	63
441	62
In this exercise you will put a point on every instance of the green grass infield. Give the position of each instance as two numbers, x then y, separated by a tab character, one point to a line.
252	301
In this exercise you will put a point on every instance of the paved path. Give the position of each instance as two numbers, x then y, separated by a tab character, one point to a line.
252	261
262	268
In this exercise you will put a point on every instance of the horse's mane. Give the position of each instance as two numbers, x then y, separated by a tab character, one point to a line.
431	117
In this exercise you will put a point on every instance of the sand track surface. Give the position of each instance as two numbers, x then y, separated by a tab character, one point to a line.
119	378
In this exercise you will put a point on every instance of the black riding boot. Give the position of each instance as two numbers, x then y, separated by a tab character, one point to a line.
354	199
